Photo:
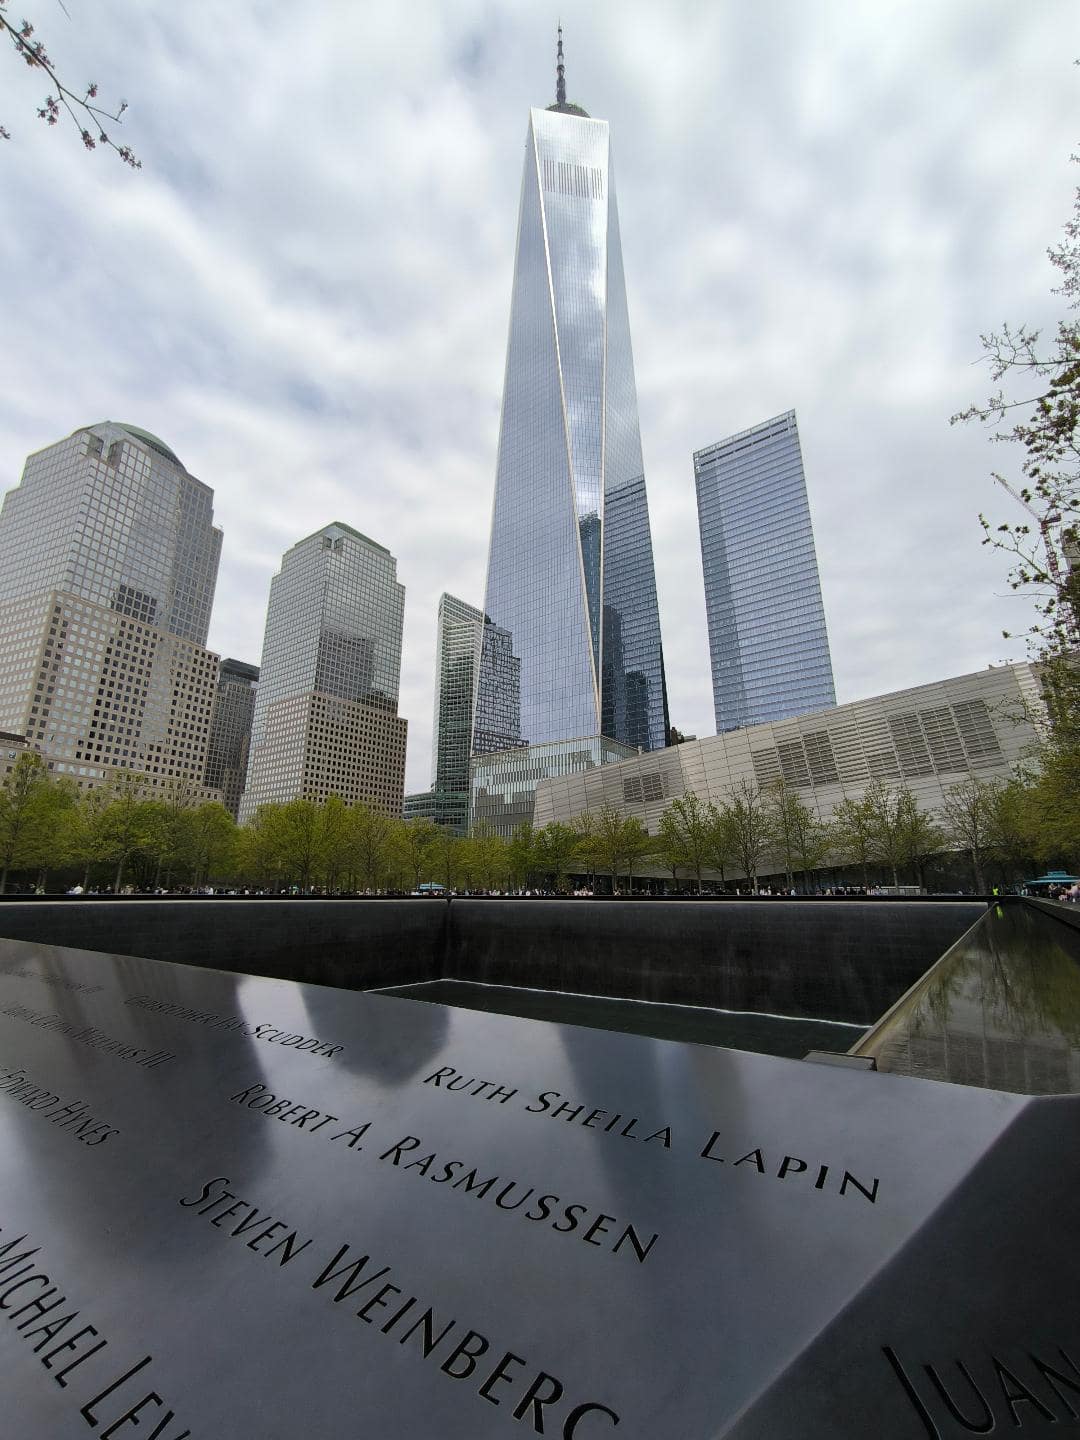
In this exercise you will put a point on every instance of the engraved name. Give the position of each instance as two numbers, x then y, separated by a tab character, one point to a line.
562	1216
978	1393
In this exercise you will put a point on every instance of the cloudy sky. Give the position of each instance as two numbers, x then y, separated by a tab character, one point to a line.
305	291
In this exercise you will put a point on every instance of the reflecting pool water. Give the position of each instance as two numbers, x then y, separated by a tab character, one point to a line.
1001	1010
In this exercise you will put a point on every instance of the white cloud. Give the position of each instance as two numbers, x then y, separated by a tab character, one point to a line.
306	289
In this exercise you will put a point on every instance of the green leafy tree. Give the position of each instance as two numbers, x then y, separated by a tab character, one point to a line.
522	856
746	814
333	840
1036	414
556	849
968	812
129	825
449	858
813	844
889	827
30	817
490	859
1014	828
686	838
922	836
415	842
787	816
82	830
637	844
169	837
797	835
887	818
852	830
296	840
607	846
60	800
587	846
212	842
369	846
720	846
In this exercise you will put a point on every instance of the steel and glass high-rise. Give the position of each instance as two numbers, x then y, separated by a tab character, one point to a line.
767	638
570	582
326	720
108	564
230	731
458	643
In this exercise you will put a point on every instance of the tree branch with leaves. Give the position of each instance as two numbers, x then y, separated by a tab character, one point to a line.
1045	423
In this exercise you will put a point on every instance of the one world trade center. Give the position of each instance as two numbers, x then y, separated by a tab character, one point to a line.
571	670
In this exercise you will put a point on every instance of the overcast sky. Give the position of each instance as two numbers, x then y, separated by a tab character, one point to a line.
305	291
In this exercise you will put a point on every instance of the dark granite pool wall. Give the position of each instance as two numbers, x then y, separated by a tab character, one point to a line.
354	944
844	960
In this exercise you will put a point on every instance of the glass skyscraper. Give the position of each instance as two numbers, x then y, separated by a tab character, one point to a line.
457	651
457	654
108	563
767	638
230	731
326	720
572	634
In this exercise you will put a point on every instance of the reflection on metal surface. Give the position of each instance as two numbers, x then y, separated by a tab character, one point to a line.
791	1035
233	1206
1001	1010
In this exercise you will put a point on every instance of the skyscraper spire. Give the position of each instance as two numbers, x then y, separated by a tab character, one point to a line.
560	72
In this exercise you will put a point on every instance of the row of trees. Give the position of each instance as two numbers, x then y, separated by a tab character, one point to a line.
129	834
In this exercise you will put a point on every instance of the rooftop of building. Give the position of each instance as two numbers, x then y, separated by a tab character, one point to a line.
138	433
764	429
240	668
349	530
569	107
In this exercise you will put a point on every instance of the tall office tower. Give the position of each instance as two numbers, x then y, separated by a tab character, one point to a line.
230	731
767	637
570	568
108	563
457	653
326	720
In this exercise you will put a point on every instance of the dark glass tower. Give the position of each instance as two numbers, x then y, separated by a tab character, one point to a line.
571	590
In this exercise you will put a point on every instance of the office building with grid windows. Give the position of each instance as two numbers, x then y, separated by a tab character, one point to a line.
230	731
570	581
325	719
458	644
108	564
767	638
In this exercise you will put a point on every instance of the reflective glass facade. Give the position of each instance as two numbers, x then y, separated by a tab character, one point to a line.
230	731
504	785
325	720
572	641
108	564
457	655
767	637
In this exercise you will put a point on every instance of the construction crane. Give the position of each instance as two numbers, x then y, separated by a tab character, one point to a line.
1053	564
